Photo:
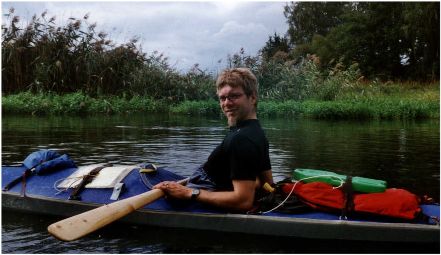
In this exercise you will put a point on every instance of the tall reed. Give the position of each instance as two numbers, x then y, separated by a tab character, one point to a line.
75	57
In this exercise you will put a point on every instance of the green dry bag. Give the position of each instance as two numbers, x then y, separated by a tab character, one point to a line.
360	184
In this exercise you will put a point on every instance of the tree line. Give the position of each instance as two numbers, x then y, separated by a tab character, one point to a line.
388	40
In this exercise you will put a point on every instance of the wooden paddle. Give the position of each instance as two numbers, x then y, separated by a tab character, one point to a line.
85	223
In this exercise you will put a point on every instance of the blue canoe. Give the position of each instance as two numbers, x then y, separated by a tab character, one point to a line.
42	196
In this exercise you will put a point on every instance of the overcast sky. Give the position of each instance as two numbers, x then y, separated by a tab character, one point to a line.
186	32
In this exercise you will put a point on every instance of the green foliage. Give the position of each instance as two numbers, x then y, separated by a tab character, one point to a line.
74	70
366	108
275	45
306	19
421	29
241	59
389	40
277	108
76	103
358	101
285	81
74	57
209	107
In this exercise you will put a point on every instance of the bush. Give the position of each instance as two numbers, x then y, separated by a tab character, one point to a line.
209	107
74	57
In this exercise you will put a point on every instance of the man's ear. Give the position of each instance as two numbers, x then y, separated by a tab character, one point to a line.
254	98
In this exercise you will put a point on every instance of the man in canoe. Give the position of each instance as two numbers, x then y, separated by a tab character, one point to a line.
241	163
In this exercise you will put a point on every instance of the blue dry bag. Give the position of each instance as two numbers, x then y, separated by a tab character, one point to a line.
42	162
38	157
59	163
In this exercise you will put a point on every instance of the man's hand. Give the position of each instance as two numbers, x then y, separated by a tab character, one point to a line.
174	189
240	198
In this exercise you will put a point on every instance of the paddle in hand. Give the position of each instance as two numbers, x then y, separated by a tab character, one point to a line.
85	223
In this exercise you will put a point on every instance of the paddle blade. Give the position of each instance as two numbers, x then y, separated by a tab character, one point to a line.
85	223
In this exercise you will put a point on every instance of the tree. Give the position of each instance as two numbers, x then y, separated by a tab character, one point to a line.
420	29
389	40
306	19
241	59
274	44
369	36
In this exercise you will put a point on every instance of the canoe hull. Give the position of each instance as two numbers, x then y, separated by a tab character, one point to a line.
238	223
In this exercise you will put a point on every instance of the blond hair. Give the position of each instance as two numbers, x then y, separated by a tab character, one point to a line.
238	77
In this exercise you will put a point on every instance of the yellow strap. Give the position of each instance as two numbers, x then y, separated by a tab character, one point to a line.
268	187
147	170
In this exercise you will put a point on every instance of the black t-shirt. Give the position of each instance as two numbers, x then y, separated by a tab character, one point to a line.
242	155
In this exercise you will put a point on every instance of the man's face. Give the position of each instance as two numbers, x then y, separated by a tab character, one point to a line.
236	105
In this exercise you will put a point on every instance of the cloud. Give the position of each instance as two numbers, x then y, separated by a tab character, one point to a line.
186	32
233	29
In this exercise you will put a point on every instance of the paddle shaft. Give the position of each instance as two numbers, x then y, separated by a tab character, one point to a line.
87	222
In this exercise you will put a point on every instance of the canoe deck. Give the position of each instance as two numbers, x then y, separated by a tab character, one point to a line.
42	197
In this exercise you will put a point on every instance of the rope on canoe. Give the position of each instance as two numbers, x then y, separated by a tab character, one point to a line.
78	178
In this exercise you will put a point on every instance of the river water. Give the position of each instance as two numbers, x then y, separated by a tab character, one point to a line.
404	153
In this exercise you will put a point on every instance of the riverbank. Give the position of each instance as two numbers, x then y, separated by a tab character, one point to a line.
411	103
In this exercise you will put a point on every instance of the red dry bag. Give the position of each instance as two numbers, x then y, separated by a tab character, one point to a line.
393	202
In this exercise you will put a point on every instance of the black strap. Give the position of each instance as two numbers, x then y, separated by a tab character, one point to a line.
86	179
22	177
348	191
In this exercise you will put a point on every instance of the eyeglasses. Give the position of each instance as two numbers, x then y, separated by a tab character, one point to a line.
232	97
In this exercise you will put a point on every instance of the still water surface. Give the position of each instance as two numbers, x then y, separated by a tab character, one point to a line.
406	154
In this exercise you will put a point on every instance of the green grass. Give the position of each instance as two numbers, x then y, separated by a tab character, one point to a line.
373	108
76	103
207	107
367	102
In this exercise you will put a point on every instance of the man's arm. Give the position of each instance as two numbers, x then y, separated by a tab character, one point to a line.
266	176
241	198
